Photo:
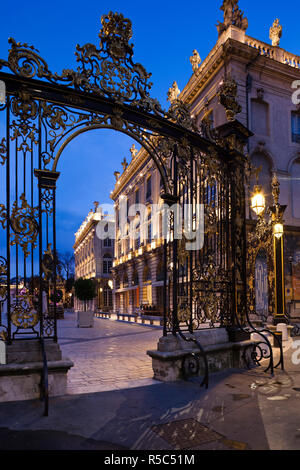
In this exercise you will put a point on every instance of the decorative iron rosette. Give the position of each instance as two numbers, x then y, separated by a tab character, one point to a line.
23	314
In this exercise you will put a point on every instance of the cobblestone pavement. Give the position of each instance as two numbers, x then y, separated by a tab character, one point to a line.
241	409
109	356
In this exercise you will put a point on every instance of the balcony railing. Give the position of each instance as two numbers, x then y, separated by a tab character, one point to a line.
273	52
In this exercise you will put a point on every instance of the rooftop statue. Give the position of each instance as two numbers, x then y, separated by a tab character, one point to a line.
124	164
133	151
195	60
117	175
173	92
276	33
232	16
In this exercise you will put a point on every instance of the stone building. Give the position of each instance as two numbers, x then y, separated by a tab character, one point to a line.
266	76
94	258
137	268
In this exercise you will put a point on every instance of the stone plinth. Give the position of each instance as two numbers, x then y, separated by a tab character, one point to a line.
273	329
20	377
168	359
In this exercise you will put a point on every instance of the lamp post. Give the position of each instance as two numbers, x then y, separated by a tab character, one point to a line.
277	212
258	205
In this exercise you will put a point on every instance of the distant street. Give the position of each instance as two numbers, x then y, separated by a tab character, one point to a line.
109	356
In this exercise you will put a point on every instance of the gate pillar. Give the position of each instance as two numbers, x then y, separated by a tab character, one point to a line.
234	137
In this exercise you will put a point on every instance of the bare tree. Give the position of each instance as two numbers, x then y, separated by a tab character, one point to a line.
68	263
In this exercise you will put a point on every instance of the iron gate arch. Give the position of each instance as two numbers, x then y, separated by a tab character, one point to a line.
44	111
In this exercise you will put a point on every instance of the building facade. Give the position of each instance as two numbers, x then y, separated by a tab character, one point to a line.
138	281
94	257
266	77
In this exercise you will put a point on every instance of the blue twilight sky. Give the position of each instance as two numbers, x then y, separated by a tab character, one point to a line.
164	34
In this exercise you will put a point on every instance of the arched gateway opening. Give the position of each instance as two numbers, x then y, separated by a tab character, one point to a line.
202	180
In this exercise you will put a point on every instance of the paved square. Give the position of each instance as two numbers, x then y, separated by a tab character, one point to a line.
109	356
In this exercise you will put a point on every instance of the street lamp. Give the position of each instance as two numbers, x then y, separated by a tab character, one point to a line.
277	212
258	205
258	201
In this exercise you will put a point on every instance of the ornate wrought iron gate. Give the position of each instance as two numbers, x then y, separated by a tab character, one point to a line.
44	111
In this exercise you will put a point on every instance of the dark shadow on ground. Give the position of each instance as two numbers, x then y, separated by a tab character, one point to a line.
50	440
129	418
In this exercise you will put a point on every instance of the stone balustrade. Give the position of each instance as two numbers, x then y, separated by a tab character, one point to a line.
262	47
273	52
291	59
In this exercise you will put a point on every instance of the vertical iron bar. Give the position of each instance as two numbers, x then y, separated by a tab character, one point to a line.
17	203
32	248
8	218
40	234
55	262
174	309
192	226
165	286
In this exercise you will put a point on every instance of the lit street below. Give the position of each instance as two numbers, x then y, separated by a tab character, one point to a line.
109	356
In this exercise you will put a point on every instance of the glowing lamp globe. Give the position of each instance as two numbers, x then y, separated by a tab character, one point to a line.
278	230
258	202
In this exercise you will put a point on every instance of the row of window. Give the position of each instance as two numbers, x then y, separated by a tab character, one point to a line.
260	121
135	277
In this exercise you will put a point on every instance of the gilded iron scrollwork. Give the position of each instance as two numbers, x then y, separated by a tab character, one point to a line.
260	239
23	222
180	113
3	151
208	282
108	71
23	314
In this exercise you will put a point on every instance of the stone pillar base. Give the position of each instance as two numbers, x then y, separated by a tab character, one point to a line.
20	377
168	361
